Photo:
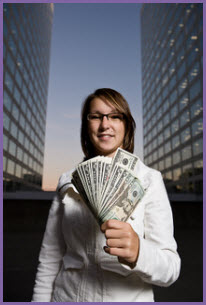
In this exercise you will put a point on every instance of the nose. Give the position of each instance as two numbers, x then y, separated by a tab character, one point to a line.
104	122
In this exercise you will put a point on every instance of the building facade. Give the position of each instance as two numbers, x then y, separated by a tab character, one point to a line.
172	92
27	39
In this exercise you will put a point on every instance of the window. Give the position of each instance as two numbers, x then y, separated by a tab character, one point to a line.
18	170
6	121
168	175
8	81
19	154
5	142
22	121
167	147
185	135
10	63
17	95
21	137
10	167
168	162
195	90
12	148
15	112
7	101
4	163
175	142
160	151
159	126
161	165
25	158
194	72
167	133
176	157
176	174
166	119
183	85
197	147
173	97
160	138
181	71
174	111
14	130
184	101
175	126
196	108
186	152
184	118
197	127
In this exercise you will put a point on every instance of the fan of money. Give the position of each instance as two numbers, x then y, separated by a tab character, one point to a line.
109	186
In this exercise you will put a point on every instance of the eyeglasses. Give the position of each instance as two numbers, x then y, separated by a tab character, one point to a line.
98	117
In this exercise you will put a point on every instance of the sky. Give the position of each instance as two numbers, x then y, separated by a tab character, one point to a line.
93	46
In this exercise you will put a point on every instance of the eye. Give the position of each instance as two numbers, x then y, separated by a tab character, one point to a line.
116	116
94	116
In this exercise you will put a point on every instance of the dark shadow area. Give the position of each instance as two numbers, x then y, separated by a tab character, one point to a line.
24	224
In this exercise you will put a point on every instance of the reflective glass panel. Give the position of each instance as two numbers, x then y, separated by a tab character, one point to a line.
10	167
7	101
197	147
195	89
175	126
184	101
167	133
167	147
176	157
19	153
8	81
175	142
185	135
176	174
6	121
14	130
12	148
196	108
184	118
5	142
168	162
18	170
186	152
174	111
4	163
197	127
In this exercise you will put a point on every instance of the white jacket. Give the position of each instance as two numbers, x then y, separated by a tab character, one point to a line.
73	265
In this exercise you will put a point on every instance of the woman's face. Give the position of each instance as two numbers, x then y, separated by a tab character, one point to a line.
106	135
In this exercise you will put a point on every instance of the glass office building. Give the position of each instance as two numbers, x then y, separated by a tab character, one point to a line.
27	38
172	44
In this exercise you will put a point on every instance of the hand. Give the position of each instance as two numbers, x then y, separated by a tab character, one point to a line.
122	240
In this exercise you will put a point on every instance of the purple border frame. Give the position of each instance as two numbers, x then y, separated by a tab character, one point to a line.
1	125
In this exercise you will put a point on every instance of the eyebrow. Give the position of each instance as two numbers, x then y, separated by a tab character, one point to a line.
98	112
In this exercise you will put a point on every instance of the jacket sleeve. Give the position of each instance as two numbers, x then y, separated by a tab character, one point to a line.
51	253
158	261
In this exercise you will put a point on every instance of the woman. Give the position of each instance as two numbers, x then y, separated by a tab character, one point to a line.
119	261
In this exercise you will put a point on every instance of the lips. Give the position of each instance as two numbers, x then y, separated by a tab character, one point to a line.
105	136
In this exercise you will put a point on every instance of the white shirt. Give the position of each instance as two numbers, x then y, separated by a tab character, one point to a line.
73	266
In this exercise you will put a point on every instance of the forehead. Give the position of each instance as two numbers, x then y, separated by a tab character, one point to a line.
100	105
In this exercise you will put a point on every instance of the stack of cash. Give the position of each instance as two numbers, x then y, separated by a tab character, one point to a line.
109	186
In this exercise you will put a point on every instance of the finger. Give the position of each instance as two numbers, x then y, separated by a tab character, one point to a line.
115	243
120	252
117	234
113	224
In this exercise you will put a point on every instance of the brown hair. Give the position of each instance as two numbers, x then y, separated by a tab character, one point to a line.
119	102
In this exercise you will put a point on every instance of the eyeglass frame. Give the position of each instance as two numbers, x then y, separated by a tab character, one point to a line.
107	115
